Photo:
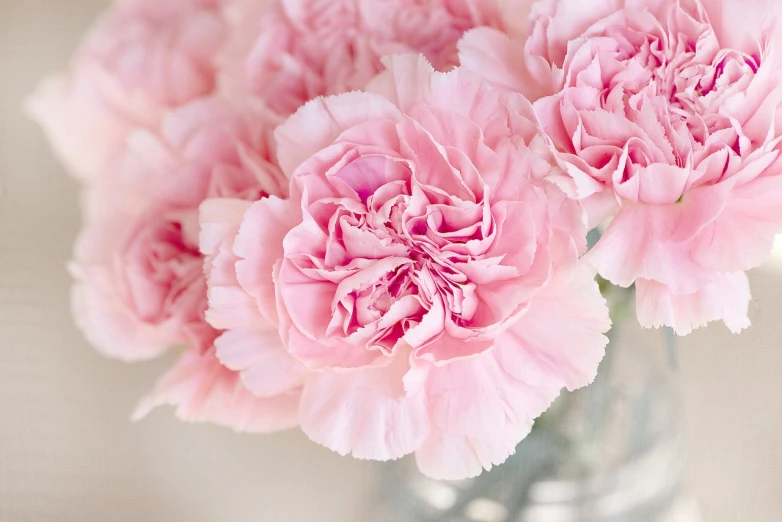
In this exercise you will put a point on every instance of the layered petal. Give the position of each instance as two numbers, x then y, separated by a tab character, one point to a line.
649	242
500	58
743	235
322	120
266	369
365	413
258	246
479	414
725	299
561	338
295	51
201	389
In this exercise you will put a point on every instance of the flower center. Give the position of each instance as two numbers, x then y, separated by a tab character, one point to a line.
674	90
403	244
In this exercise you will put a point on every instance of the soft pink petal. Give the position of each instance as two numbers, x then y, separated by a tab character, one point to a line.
452	457
141	59
320	121
642	242
661	184
743	235
203	390
259	246
499	59
483	406
336	353
560	340
726	299
479	413
739	24
365	413
411	81
142	282
218	219
229	305
447	348
599	207
266	368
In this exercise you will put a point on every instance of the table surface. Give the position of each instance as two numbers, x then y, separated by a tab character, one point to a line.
69	453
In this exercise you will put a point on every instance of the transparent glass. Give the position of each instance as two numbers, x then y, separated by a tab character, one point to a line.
611	452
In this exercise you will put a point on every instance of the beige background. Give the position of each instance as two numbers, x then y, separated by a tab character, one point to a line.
68	452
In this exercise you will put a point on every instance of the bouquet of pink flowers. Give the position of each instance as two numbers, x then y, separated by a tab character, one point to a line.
368	218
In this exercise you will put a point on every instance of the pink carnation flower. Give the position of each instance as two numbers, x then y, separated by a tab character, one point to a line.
140	282
302	49
143	58
666	114
423	272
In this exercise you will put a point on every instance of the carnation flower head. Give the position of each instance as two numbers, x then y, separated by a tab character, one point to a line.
142	58
663	114
423	272
295	50
141	286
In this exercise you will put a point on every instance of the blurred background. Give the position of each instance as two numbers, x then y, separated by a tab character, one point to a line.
69	453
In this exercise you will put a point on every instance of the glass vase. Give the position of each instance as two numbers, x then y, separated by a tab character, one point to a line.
611	452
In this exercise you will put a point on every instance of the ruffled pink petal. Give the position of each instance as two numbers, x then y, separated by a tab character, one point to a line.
559	341
447	348
334	353
266	368
739	25
500	59
406	81
575	180
315	126
661	184
482	407
479	413
259	246
203	390
451	457
410	81
365	413
229	305
726	299
308	301
599	207
219	219
721	227
743	235
650	242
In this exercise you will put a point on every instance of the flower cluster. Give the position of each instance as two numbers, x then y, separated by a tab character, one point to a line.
663	115
368	218
423	274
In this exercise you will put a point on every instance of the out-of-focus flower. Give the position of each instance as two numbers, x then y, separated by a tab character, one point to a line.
300	49
143	57
140	282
